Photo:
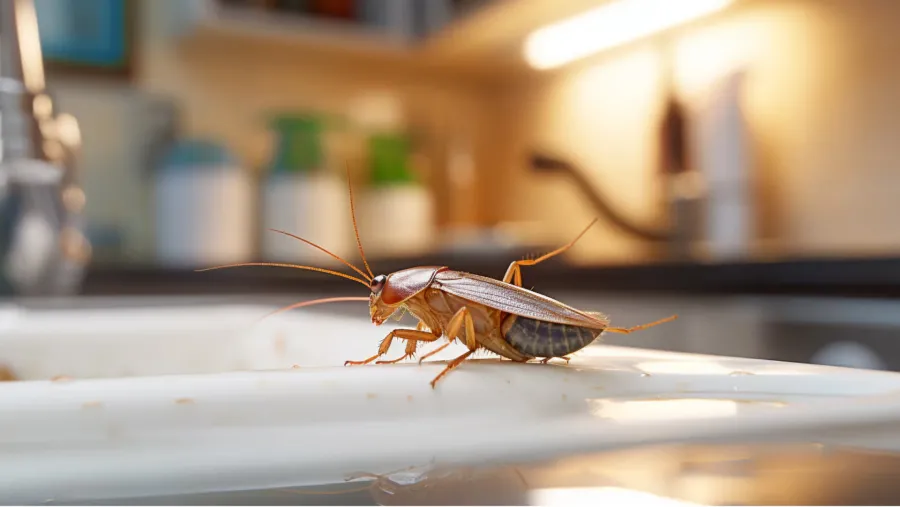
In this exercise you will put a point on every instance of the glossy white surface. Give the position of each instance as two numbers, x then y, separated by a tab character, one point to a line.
192	423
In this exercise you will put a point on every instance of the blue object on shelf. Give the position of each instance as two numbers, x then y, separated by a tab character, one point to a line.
84	32
197	153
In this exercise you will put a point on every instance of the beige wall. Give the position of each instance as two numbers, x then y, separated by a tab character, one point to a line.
822	100
111	168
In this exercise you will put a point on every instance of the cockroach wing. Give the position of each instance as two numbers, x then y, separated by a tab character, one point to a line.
513	299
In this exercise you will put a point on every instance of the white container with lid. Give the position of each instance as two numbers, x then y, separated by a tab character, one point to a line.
313	206
398	220
304	193
204	207
396	211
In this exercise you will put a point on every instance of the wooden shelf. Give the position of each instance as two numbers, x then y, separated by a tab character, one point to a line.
324	35
467	46
484	43
487	42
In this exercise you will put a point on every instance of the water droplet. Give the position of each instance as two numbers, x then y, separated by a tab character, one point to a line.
645	374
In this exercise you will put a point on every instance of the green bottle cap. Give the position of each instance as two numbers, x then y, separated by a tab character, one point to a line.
389	160
299	147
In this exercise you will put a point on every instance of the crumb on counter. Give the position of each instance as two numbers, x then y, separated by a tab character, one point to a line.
280	344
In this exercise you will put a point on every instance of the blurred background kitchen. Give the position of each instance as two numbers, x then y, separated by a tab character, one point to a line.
741	156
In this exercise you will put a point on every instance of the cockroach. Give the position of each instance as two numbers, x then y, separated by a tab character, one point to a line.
499	316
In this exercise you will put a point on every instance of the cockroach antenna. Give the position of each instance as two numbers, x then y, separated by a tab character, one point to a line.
355	227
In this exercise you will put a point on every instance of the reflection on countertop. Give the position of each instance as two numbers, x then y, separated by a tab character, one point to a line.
677	475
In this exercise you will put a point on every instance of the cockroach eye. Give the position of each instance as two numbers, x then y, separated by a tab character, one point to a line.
377	283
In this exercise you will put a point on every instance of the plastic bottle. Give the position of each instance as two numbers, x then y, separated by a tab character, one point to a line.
304	195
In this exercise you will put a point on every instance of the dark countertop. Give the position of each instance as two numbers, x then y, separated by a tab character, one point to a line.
863	277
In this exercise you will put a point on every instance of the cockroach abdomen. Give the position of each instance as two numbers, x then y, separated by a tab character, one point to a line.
538	338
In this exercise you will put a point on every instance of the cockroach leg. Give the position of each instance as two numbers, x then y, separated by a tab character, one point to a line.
399	316
453	364
435	351
514	272
393	361
406	334
382	350
547	359
460	318
627	330
411	346
364	361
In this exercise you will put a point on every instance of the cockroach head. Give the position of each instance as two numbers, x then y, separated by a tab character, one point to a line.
378	309
377	284
390	293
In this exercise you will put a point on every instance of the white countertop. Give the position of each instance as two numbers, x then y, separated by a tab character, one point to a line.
213	403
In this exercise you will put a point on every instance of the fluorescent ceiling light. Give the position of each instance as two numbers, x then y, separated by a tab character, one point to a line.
610	25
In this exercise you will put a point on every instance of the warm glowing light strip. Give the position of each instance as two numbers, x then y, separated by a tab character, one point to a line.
571	497
611	25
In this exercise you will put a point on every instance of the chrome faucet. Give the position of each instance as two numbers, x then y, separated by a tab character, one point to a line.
43	250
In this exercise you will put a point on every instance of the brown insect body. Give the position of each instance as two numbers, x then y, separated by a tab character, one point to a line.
508	320
483	313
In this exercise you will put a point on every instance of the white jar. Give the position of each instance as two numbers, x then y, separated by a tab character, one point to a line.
397	220
204	209
314	206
